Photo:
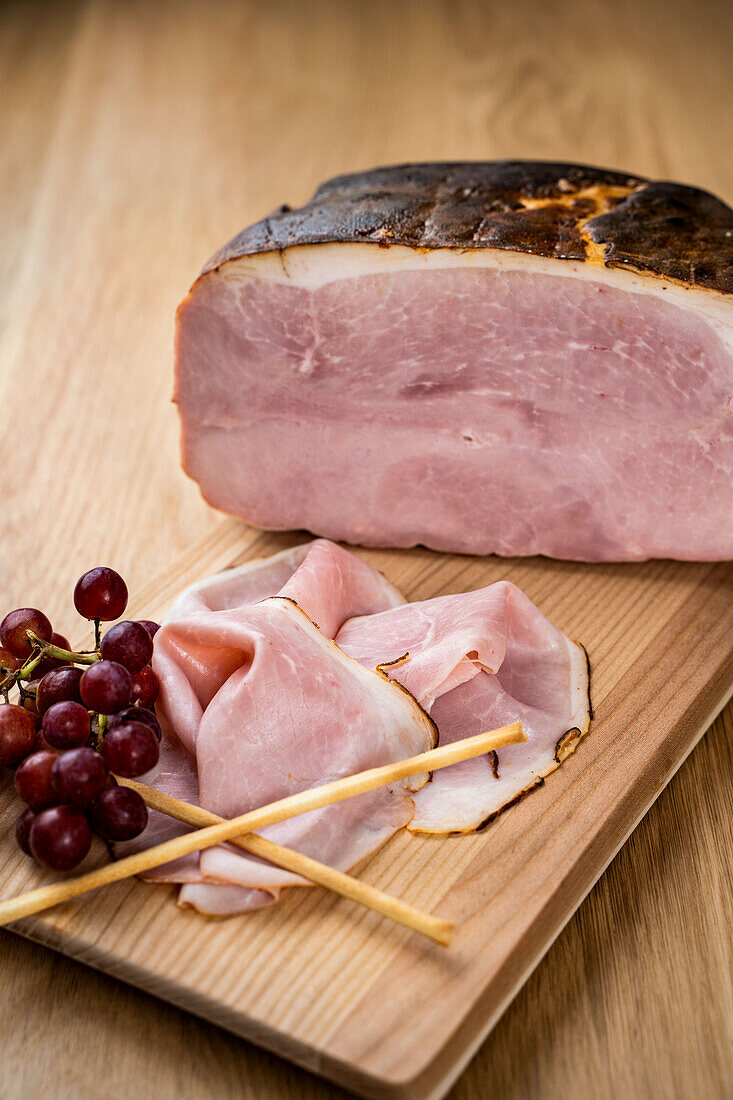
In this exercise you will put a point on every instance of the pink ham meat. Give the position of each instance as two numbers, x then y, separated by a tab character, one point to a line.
258	703
476	661
503	358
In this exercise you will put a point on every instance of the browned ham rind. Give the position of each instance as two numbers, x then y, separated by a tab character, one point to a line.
545	209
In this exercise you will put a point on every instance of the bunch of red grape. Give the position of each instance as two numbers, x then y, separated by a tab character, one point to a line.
72	727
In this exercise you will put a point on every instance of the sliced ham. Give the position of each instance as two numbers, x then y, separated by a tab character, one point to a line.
323	579
508	357
258	703
476	661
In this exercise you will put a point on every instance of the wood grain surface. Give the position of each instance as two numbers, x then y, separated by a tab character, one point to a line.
136	138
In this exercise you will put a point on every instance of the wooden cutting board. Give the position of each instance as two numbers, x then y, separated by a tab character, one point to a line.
354	998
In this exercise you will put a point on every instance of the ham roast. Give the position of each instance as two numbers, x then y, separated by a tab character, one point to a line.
257	702
509	357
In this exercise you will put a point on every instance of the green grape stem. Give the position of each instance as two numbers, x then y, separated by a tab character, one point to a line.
10	678
48	650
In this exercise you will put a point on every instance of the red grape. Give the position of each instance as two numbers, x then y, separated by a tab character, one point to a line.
28	705
137	714
52	662
35	782
15	626
23	829
145	687
100	594
80	775
119	814
7	660
17	733
129	644
130	749
66	725
151	627
60	837
40	741
106	687
57	686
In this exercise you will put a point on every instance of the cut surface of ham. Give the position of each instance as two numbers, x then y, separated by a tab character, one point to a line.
258	703
476	661
490	358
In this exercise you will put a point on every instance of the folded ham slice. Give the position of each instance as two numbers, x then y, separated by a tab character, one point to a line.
259	703
506	357
476	661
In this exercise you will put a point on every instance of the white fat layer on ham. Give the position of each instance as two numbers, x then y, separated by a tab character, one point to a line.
258	703
223	901
476	661
312	266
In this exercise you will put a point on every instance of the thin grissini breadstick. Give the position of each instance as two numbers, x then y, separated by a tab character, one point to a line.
320	873
313	799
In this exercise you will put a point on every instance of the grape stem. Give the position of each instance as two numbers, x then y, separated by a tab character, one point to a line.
10	678
7	679
8	682
48	650
101	729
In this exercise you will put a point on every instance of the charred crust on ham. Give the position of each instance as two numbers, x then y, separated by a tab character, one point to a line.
428	719
570	740
591	712
564	748
533	786
678	232
551	209
567	744
393	664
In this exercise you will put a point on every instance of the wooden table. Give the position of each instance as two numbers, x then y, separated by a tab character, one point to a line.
136	138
